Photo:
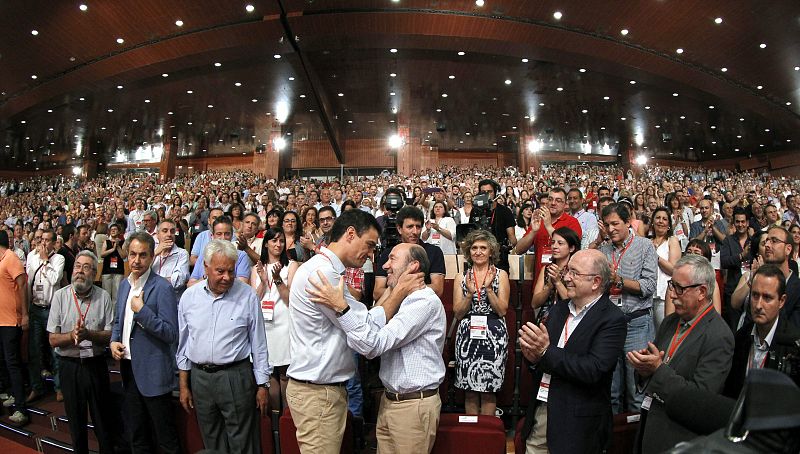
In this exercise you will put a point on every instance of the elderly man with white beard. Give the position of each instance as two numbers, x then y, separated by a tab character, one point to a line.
80	321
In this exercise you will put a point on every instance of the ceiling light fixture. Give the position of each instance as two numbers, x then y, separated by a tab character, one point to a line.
461	53
120	41
679	50
34	32
249	8
624	32
524	60
583	70
763	45
238	84
718	20
508	82
557	15
444	95
451	77
217	64
479	3
179	23
276	56
393	50
724	70
83	7
164	75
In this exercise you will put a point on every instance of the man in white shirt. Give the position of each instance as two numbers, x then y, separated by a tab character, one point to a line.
170	261
587	220
411	335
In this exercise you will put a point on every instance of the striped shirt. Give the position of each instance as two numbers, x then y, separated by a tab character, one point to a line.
639	262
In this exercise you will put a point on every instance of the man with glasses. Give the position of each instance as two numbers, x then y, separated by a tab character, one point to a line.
45	269
551	217
580	386
693	349
150	223
778	247
223	230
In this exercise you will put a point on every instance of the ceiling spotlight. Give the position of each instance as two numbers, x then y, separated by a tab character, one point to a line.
718	20
392	74
34	32
633	82
83	7
622	118
210	106
120	40
276	56
606	98
797	68
675	95
624	32
584	111
679	50
291	79
557	15
395	141
179	23
508	82
119	87
461	53
393	50
249	8
560	89
641	160
34	77
254	100
724	70
763	45
238	84
444	95
759	87
524	60
340	94
217	64
583	70
479	3
710	107
164	75
279	143
189	92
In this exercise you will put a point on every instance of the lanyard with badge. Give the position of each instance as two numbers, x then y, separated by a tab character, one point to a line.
479	324
544	385
85	345
616	293
268	304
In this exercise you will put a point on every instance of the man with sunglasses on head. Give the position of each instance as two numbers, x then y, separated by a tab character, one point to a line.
778	247
692	349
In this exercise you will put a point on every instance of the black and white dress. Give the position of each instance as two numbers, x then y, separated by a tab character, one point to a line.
481	363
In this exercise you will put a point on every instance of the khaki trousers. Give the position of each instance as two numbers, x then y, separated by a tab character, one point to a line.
320	415
408	427
537	441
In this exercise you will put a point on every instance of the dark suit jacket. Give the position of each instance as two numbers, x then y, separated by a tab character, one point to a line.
791	309
741	353
154	335
579	416
702	362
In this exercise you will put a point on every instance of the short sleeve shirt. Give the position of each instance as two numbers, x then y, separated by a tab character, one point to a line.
10	269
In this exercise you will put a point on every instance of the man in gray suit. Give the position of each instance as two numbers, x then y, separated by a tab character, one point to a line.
693	349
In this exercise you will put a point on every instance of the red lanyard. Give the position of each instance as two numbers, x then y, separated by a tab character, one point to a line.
566	329
678	340
752	356
81	315
615	263
163	259
475	280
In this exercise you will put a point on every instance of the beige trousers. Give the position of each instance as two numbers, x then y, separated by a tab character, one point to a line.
537	441
408	427
320	415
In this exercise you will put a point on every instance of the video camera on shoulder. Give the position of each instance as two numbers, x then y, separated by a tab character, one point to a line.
393	202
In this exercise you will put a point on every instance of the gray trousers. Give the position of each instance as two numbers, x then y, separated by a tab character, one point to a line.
225	402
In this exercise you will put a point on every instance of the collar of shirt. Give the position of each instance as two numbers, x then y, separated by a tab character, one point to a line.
139	284
686	325
768	340
574	311
337	264
626	242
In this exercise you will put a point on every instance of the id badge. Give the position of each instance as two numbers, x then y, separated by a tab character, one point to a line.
436	236
544	388
478	327
547	255
114	263
615	295
647	402
38	292
715	257
268	309
86	349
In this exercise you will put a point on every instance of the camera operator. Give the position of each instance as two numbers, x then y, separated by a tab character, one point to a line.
409	226
769	340
496	218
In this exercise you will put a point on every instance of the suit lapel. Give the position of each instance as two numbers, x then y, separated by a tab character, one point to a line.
694	338
589	320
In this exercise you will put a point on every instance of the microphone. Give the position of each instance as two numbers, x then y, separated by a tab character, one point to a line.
682	408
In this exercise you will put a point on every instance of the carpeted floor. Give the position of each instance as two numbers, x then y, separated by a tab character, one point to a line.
7	445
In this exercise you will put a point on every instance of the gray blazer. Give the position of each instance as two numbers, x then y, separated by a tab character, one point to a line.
702	361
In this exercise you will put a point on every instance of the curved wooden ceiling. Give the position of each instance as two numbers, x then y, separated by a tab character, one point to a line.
577	83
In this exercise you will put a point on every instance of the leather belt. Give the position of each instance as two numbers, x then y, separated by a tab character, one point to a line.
340	384
397	397
636	314
211	368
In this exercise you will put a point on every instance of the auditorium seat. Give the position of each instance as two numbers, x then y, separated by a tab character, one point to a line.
485	436
288	437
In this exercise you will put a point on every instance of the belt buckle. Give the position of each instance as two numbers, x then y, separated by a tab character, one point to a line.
396	397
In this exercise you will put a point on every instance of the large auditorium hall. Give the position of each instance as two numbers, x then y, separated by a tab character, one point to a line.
400	226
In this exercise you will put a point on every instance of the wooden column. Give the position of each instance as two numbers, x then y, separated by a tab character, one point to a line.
267	159
166	168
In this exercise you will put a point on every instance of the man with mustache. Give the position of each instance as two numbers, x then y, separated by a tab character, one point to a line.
81	318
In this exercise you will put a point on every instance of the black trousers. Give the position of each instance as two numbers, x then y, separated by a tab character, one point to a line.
146	416
10	337
84	383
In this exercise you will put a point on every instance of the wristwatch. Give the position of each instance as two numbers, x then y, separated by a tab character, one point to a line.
264	385
343	311
619	283
277	283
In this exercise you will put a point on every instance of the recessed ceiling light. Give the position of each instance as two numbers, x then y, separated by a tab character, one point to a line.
763	45
713	127
508	82
675	94
739	137
797	68
622	118
451	77
83	7
606	98
584	111
479	3
392	75
710	107
110	110
179	23
147	100
49	110
766	130
250	8
34	32
541	104
444	95
524	60
724	70
210	106
438	110
461	53
683	117
741	119
164	75
759	87
120	40
679	50
217	64
169	113
624	32
583	70
340	94
788	103
254	100
302	96
276	56
135	120
34	77
291	78
238	84
393	50
557	15
646	107
391	93
119	87
189	92
718	20
560	89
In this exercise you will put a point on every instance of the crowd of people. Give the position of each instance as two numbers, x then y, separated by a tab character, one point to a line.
236	289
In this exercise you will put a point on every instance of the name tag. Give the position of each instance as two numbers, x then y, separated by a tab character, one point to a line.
544	388
615	295
86	349
268	309
436	236
715	256
478	327
647	402
114	263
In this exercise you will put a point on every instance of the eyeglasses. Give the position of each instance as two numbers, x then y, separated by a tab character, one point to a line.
774	240
680	289
572	273
290	221
85	267
327	219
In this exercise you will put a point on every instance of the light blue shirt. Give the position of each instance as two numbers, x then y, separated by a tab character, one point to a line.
203	238
174	268
222	329
242	266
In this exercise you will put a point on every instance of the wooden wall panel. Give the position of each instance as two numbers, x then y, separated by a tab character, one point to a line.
313	154
215	163
788	159
367	153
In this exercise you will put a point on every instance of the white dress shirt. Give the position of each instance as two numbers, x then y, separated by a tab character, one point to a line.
136	290
573	320
760	350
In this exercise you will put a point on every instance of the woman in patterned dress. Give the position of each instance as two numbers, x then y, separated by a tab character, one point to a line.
480	300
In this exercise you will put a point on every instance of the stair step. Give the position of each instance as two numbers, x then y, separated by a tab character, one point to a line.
40	417
17	434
